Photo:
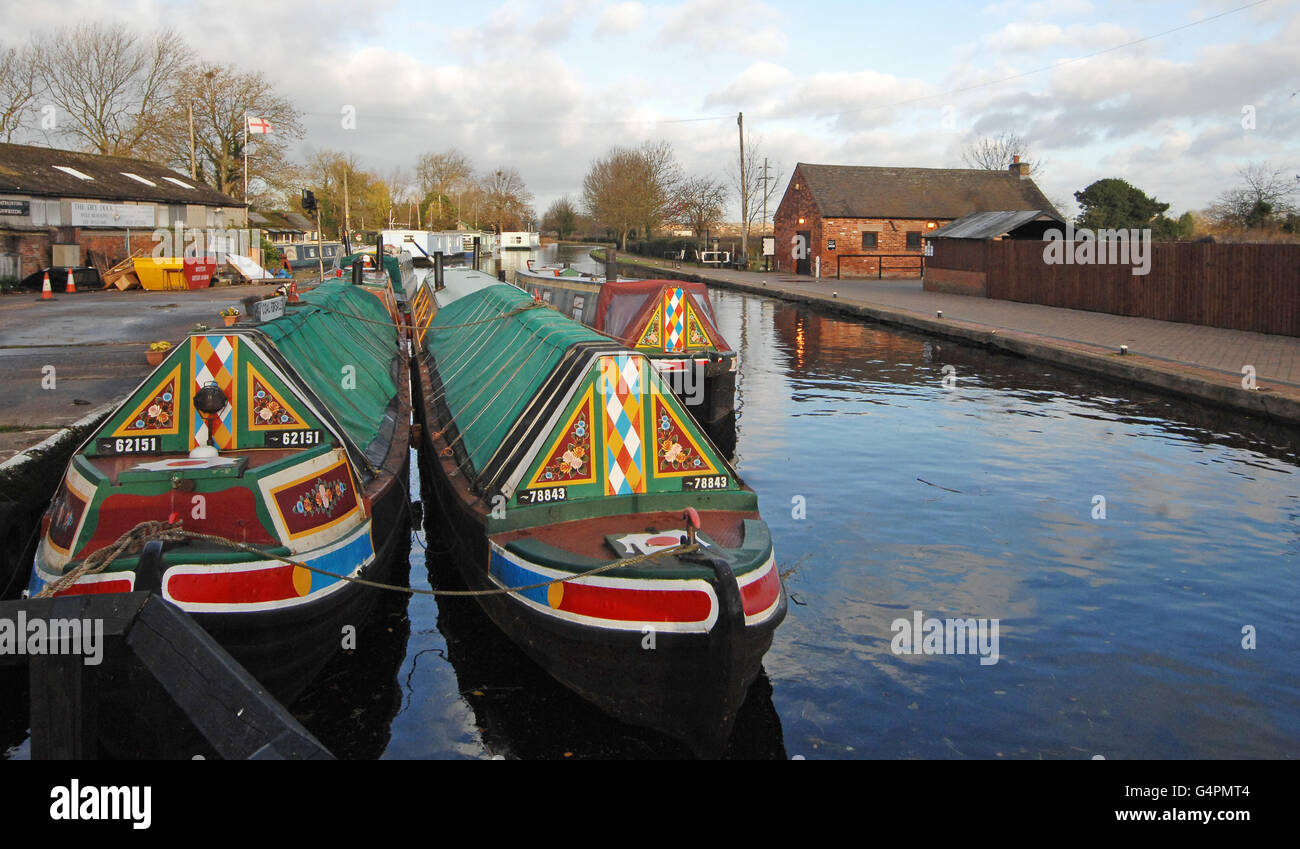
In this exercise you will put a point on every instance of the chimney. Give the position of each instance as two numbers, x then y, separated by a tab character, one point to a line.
1018	167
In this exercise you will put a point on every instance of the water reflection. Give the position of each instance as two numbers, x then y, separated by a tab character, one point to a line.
1119	635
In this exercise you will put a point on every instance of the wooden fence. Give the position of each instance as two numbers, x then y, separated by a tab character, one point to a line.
1236	286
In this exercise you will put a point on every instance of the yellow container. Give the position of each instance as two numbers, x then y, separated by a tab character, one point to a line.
161	273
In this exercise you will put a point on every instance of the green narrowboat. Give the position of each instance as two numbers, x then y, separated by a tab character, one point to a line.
288	436
555	450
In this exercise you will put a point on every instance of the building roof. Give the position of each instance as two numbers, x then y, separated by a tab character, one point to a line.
30	170
990	225
287	221
861	191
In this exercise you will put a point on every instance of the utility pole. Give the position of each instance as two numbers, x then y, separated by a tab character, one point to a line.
744	193
347	206
764	213
189	106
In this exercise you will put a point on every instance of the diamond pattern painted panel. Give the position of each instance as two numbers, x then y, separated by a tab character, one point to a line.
214	360
622	383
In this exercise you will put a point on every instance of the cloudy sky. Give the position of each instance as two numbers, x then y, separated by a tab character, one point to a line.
1157	93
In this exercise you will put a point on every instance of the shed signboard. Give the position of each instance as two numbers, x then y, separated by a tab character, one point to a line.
111	215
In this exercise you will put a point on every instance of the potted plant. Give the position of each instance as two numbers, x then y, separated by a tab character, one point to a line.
157	352
231	315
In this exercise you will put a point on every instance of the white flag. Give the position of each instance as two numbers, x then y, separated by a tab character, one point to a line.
258	126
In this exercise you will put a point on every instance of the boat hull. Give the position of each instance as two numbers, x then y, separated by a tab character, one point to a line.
687	685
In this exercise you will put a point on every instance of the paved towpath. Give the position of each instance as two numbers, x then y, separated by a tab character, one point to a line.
94	341
1189	359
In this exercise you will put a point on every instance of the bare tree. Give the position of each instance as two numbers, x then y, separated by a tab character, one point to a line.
1264	192
995	153
220	97
439	175
507	203
110	83
561	216
699	204
19	85
631	188
663	177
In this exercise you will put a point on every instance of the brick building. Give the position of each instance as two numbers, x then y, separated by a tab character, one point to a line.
64	203
864	220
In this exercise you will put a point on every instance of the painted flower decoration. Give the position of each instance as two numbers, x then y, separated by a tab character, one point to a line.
665	423
673	451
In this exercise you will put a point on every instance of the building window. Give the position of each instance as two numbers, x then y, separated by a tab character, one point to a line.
870	239
913	240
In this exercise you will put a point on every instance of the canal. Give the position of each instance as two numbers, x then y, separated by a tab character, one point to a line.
1137	555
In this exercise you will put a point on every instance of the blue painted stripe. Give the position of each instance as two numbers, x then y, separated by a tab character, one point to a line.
513	575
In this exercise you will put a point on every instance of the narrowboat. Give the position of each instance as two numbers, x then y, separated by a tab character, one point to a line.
554	450
671	321
289	435
308	255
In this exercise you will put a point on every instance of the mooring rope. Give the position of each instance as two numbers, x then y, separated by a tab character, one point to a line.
136	538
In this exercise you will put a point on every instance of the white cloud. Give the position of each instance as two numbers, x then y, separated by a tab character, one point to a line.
737	26
621	17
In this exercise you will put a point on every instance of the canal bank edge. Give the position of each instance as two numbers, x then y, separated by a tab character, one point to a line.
1184	381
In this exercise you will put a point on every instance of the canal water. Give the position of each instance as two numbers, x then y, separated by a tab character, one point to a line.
1139	557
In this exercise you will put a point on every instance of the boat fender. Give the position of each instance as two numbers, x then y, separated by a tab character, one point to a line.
149	571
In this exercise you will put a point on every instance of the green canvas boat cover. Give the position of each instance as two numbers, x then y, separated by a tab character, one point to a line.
494	349
341	342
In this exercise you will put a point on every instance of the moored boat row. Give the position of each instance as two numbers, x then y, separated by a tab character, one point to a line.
612	539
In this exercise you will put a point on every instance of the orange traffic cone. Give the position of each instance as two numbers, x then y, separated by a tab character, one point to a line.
47	294
72	284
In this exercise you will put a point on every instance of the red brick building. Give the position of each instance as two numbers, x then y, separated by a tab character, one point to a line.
67	203
864	220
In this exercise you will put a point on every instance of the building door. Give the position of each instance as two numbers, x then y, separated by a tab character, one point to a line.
803	257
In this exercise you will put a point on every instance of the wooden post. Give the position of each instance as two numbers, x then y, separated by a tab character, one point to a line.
437	270
476	252
611	263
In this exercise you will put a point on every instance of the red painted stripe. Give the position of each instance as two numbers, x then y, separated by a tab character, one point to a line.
97	588
636	605
759	595
252	585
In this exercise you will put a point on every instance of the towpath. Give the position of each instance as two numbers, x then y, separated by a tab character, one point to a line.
1202	363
